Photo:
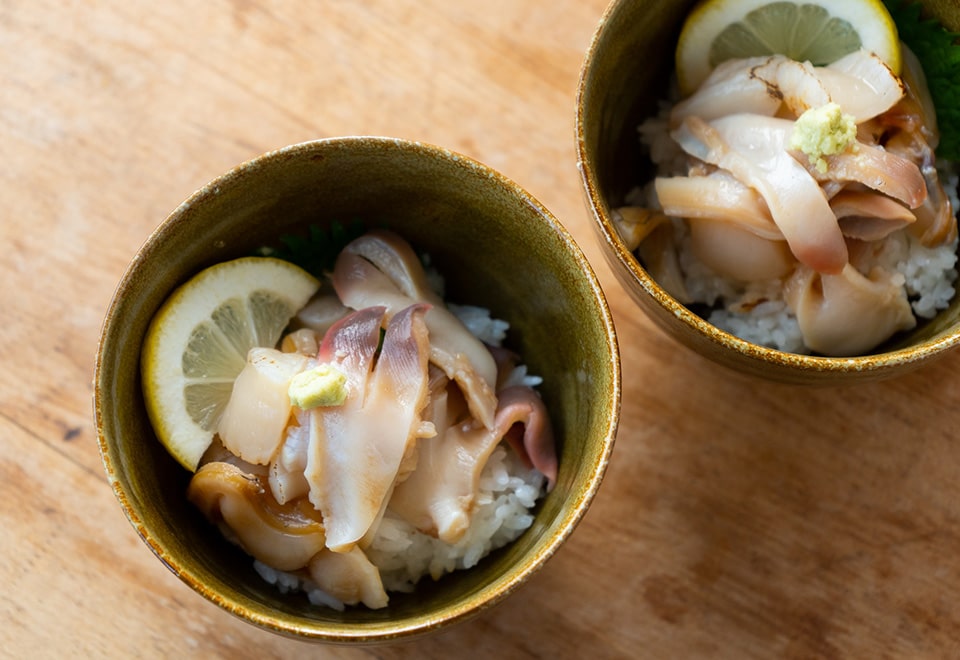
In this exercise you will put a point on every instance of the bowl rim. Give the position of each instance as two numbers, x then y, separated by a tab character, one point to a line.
622	260
492	592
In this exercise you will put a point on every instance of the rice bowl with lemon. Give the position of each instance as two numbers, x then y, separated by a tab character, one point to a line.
797	205
352	440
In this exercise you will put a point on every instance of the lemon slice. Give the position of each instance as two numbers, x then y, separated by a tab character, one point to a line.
198	341
820	32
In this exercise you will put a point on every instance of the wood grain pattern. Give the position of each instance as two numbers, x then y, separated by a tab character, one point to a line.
738	518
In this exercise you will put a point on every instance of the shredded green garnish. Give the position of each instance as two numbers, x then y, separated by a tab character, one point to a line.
939	53
317	251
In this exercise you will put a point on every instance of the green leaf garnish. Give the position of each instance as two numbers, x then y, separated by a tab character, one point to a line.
939	53
316	252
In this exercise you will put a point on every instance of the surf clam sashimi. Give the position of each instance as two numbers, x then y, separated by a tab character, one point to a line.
790	178
387	412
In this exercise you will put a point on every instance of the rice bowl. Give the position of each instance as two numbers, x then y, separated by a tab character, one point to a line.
374	404
486	235
618	92
757	311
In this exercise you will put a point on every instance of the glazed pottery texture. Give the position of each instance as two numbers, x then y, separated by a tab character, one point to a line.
625	72
495	245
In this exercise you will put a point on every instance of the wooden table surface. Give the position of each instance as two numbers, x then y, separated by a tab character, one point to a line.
738	518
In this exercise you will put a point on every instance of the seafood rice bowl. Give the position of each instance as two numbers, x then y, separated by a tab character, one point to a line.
375	437
800	207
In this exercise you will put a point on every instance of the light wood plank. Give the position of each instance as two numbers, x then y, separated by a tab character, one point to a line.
738	518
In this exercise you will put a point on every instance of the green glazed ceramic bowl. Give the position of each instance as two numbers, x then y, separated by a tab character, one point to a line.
495	245
625	72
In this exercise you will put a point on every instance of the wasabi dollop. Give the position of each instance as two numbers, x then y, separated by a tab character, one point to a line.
324	385
823	131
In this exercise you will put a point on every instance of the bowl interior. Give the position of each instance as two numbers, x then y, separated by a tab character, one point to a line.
495	246
625	73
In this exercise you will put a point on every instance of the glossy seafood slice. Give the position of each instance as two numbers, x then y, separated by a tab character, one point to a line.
876	168
862	84
730	250
356	449
396	396
717	196
658	252
305	341
849	313
436	497
754	150
351	345
635	223
439	496
909	130
796	83
321	312
285	537
349	577
731	88
936	223
256	415
523	420
869	216
380	268
285	476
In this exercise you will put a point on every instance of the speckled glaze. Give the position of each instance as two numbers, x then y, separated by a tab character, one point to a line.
496	246
625	72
